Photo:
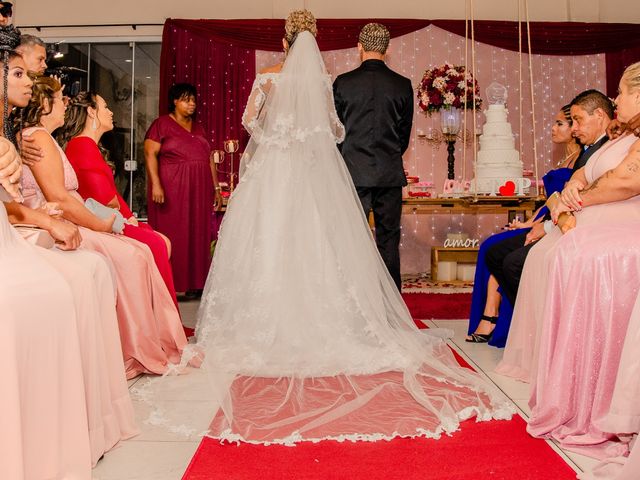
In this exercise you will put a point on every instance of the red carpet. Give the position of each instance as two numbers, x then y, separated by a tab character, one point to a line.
188	331
496	450
443	306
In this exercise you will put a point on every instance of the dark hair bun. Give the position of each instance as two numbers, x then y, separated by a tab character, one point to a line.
9	38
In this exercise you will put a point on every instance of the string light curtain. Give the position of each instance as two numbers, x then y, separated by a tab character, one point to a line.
218	56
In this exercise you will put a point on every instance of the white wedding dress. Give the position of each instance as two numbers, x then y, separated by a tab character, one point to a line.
304	334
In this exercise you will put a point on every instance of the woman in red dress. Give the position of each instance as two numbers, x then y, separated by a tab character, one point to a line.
86	120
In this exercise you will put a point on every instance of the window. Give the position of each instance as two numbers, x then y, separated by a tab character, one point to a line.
126	75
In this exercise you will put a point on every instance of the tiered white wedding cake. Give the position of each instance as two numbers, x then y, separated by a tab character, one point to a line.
498	160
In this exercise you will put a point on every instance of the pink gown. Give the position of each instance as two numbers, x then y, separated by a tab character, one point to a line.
95	180
151	332
43	415
109	409
580	297
591	293
623	416
521	351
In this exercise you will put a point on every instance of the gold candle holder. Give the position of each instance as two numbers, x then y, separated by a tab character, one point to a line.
231	147
217	156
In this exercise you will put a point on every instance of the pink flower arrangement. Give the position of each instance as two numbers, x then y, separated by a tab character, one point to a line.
444	87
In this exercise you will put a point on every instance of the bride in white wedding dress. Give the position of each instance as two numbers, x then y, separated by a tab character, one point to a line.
304	333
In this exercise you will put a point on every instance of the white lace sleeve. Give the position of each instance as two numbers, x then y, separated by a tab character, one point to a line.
253	113
336	125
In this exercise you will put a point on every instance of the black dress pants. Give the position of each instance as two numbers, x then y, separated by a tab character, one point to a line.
386	203
505	260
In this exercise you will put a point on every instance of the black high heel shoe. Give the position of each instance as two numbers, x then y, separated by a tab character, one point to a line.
483	337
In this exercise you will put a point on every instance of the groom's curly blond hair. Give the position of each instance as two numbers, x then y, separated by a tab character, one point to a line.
299	21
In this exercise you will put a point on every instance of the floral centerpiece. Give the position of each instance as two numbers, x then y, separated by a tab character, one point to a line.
443	87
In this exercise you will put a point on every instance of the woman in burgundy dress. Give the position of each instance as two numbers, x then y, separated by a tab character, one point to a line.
87	118
183	189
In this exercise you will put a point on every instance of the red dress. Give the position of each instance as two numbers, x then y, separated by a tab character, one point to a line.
185	215
95	180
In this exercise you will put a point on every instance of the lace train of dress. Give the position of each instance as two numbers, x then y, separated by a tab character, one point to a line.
304	333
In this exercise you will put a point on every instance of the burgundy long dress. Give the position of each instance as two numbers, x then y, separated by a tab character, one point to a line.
185	215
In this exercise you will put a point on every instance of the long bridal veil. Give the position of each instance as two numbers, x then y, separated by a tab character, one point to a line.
303	332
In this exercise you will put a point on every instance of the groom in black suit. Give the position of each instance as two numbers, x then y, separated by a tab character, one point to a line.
375	104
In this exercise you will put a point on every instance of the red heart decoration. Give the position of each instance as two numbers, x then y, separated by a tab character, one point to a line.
508	189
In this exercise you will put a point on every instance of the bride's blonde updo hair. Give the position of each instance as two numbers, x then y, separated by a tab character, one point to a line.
299	21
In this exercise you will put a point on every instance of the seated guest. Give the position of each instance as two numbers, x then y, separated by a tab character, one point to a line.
87	118
591	112
591	291
6	12
108	406
538	306
589	327
34	53
623	418
150	329
490	315
617	128
43	414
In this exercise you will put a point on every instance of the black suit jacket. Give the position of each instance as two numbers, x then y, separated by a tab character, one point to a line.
375	104
585	155
581	161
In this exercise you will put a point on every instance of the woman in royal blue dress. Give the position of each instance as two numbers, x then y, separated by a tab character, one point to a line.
491	312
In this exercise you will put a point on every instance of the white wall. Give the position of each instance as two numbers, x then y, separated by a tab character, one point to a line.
79	12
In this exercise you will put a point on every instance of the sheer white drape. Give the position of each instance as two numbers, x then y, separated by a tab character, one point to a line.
304	334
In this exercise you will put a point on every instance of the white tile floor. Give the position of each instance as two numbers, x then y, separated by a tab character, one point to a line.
156	454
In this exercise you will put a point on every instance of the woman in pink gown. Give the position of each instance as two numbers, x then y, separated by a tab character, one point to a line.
109	410
570	329
623	417
150	329
590	296
521	351
42	407
40	362
80	141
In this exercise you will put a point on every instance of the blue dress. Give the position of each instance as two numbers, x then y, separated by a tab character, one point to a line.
554	181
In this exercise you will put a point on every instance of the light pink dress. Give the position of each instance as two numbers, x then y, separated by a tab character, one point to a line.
623	416
43	416
109	409
521	350
591	293
580	288
151	332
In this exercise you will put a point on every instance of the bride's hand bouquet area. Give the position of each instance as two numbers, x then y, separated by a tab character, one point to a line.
445	86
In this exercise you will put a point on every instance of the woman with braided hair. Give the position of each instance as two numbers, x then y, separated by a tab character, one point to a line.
87	118
43	412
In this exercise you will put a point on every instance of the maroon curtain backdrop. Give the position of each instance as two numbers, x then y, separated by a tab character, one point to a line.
222	72
218	56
